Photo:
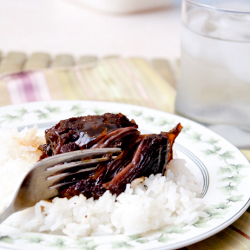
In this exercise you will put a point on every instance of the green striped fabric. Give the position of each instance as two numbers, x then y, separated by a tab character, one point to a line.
131	81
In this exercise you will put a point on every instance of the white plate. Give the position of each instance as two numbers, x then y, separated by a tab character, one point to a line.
222	169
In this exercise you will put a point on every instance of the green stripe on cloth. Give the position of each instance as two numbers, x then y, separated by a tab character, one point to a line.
5	97
68	83
162	95
107	78
227	239
127	84
85	89
115	80
138	83
95	84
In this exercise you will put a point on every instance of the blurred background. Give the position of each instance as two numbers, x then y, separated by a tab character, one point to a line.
78	28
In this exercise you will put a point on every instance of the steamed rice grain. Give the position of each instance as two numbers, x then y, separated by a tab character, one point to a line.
147	204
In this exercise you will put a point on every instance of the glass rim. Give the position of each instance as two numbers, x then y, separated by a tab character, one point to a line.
216	8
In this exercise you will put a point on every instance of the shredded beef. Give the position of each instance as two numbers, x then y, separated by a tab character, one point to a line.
141	155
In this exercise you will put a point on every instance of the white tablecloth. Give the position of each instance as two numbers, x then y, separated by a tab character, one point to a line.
65	26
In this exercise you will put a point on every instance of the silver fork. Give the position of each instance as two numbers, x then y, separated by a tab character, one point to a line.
38	182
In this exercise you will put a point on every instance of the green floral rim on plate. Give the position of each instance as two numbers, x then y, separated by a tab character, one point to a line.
223	170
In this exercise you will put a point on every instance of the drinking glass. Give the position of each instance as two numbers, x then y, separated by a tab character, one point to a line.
214	88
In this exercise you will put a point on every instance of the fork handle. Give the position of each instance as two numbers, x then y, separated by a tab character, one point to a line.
6	212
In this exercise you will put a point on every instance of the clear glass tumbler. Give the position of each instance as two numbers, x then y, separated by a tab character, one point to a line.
214	88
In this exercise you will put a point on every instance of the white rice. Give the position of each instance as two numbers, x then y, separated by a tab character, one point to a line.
152	203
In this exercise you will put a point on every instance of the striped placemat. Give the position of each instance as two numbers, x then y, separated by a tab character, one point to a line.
126	80
150	83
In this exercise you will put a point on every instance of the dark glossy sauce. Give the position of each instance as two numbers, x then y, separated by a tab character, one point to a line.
141	155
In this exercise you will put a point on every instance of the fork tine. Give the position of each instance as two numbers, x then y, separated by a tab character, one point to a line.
58	185
55	181
55	178
71	156
61	167
67	166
